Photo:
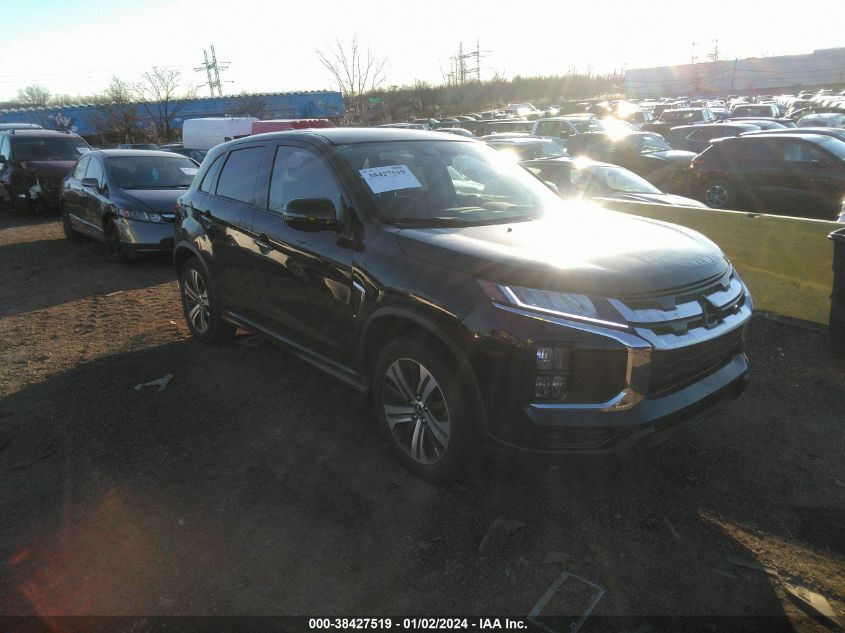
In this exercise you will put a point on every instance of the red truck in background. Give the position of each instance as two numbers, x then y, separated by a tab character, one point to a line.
280	125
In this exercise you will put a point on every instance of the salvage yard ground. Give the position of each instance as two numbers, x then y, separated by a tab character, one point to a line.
254	484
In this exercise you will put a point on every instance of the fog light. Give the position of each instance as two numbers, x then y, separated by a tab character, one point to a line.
551	358
549	387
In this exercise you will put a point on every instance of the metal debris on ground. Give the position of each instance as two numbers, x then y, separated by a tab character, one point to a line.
750	564
498	534
161	383
816	602
672	529
552	590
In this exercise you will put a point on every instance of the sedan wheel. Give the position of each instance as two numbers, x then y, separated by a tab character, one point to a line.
114	248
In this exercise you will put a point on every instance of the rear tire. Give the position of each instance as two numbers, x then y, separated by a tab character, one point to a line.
719	194
201	306
424	409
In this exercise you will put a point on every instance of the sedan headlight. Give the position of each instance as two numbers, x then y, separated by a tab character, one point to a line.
564	304
140	216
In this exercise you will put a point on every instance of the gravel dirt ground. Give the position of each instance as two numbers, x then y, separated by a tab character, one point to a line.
255	484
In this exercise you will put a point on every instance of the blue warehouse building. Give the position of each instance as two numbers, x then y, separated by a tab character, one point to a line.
83	119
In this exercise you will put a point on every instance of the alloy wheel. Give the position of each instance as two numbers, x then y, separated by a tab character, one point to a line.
416	411
195	296
716	195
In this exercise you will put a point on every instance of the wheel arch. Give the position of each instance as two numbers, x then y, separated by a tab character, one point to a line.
390	323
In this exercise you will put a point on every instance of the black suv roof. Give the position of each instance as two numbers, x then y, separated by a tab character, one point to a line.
343	135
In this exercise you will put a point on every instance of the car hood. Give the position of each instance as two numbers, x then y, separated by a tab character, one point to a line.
659	198
49	168
674	156
158	200
582	248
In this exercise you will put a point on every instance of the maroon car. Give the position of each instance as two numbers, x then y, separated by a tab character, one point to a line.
33	164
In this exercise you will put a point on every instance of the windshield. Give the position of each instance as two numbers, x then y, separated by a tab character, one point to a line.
152	172
647	143
34	148
530	151
679	115
597	179
447	183
835	146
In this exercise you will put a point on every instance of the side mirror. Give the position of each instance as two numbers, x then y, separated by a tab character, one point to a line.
3	159
821	163
564	134
311	214
91	182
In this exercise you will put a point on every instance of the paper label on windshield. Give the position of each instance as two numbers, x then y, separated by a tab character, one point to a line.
189	171
83	150
391	178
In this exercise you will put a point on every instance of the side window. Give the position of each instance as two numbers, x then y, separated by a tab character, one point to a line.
4	146
95	170
798	152
700	135
207	185
237	179
299	173
548	128
79	170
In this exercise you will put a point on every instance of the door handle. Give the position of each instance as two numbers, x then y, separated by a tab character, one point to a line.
263	243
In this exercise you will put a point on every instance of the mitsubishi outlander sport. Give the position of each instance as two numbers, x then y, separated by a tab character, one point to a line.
492	314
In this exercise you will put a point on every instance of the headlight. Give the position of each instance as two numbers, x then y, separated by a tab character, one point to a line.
141	216
569	305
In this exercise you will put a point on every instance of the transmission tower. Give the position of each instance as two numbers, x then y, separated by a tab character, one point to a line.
460	71
212	71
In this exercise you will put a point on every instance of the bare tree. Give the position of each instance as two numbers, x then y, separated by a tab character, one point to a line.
159	90
33	95
118	116
252	105
356	71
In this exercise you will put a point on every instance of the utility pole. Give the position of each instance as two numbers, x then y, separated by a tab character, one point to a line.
212	70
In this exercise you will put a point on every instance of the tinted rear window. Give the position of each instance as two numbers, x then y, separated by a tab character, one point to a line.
237	180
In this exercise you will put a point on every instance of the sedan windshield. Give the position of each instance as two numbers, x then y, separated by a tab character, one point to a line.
597	179
647	143
530	151
152	172
34	148
447	183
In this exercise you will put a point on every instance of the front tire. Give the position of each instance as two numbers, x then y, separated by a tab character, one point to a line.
200	305
423	408
70	233
114	248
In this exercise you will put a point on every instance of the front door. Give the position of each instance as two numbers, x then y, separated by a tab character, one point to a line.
303	278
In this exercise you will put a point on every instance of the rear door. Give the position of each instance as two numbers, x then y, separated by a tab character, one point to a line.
814	185
225	206
305	277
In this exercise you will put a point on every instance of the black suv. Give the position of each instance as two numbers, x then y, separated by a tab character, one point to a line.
33	164
492	311
791	173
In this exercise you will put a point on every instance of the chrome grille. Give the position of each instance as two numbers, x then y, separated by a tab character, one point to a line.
694	331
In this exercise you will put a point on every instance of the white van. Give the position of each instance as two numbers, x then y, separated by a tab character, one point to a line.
207	132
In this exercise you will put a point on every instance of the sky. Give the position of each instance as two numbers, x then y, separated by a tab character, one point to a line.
74	47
